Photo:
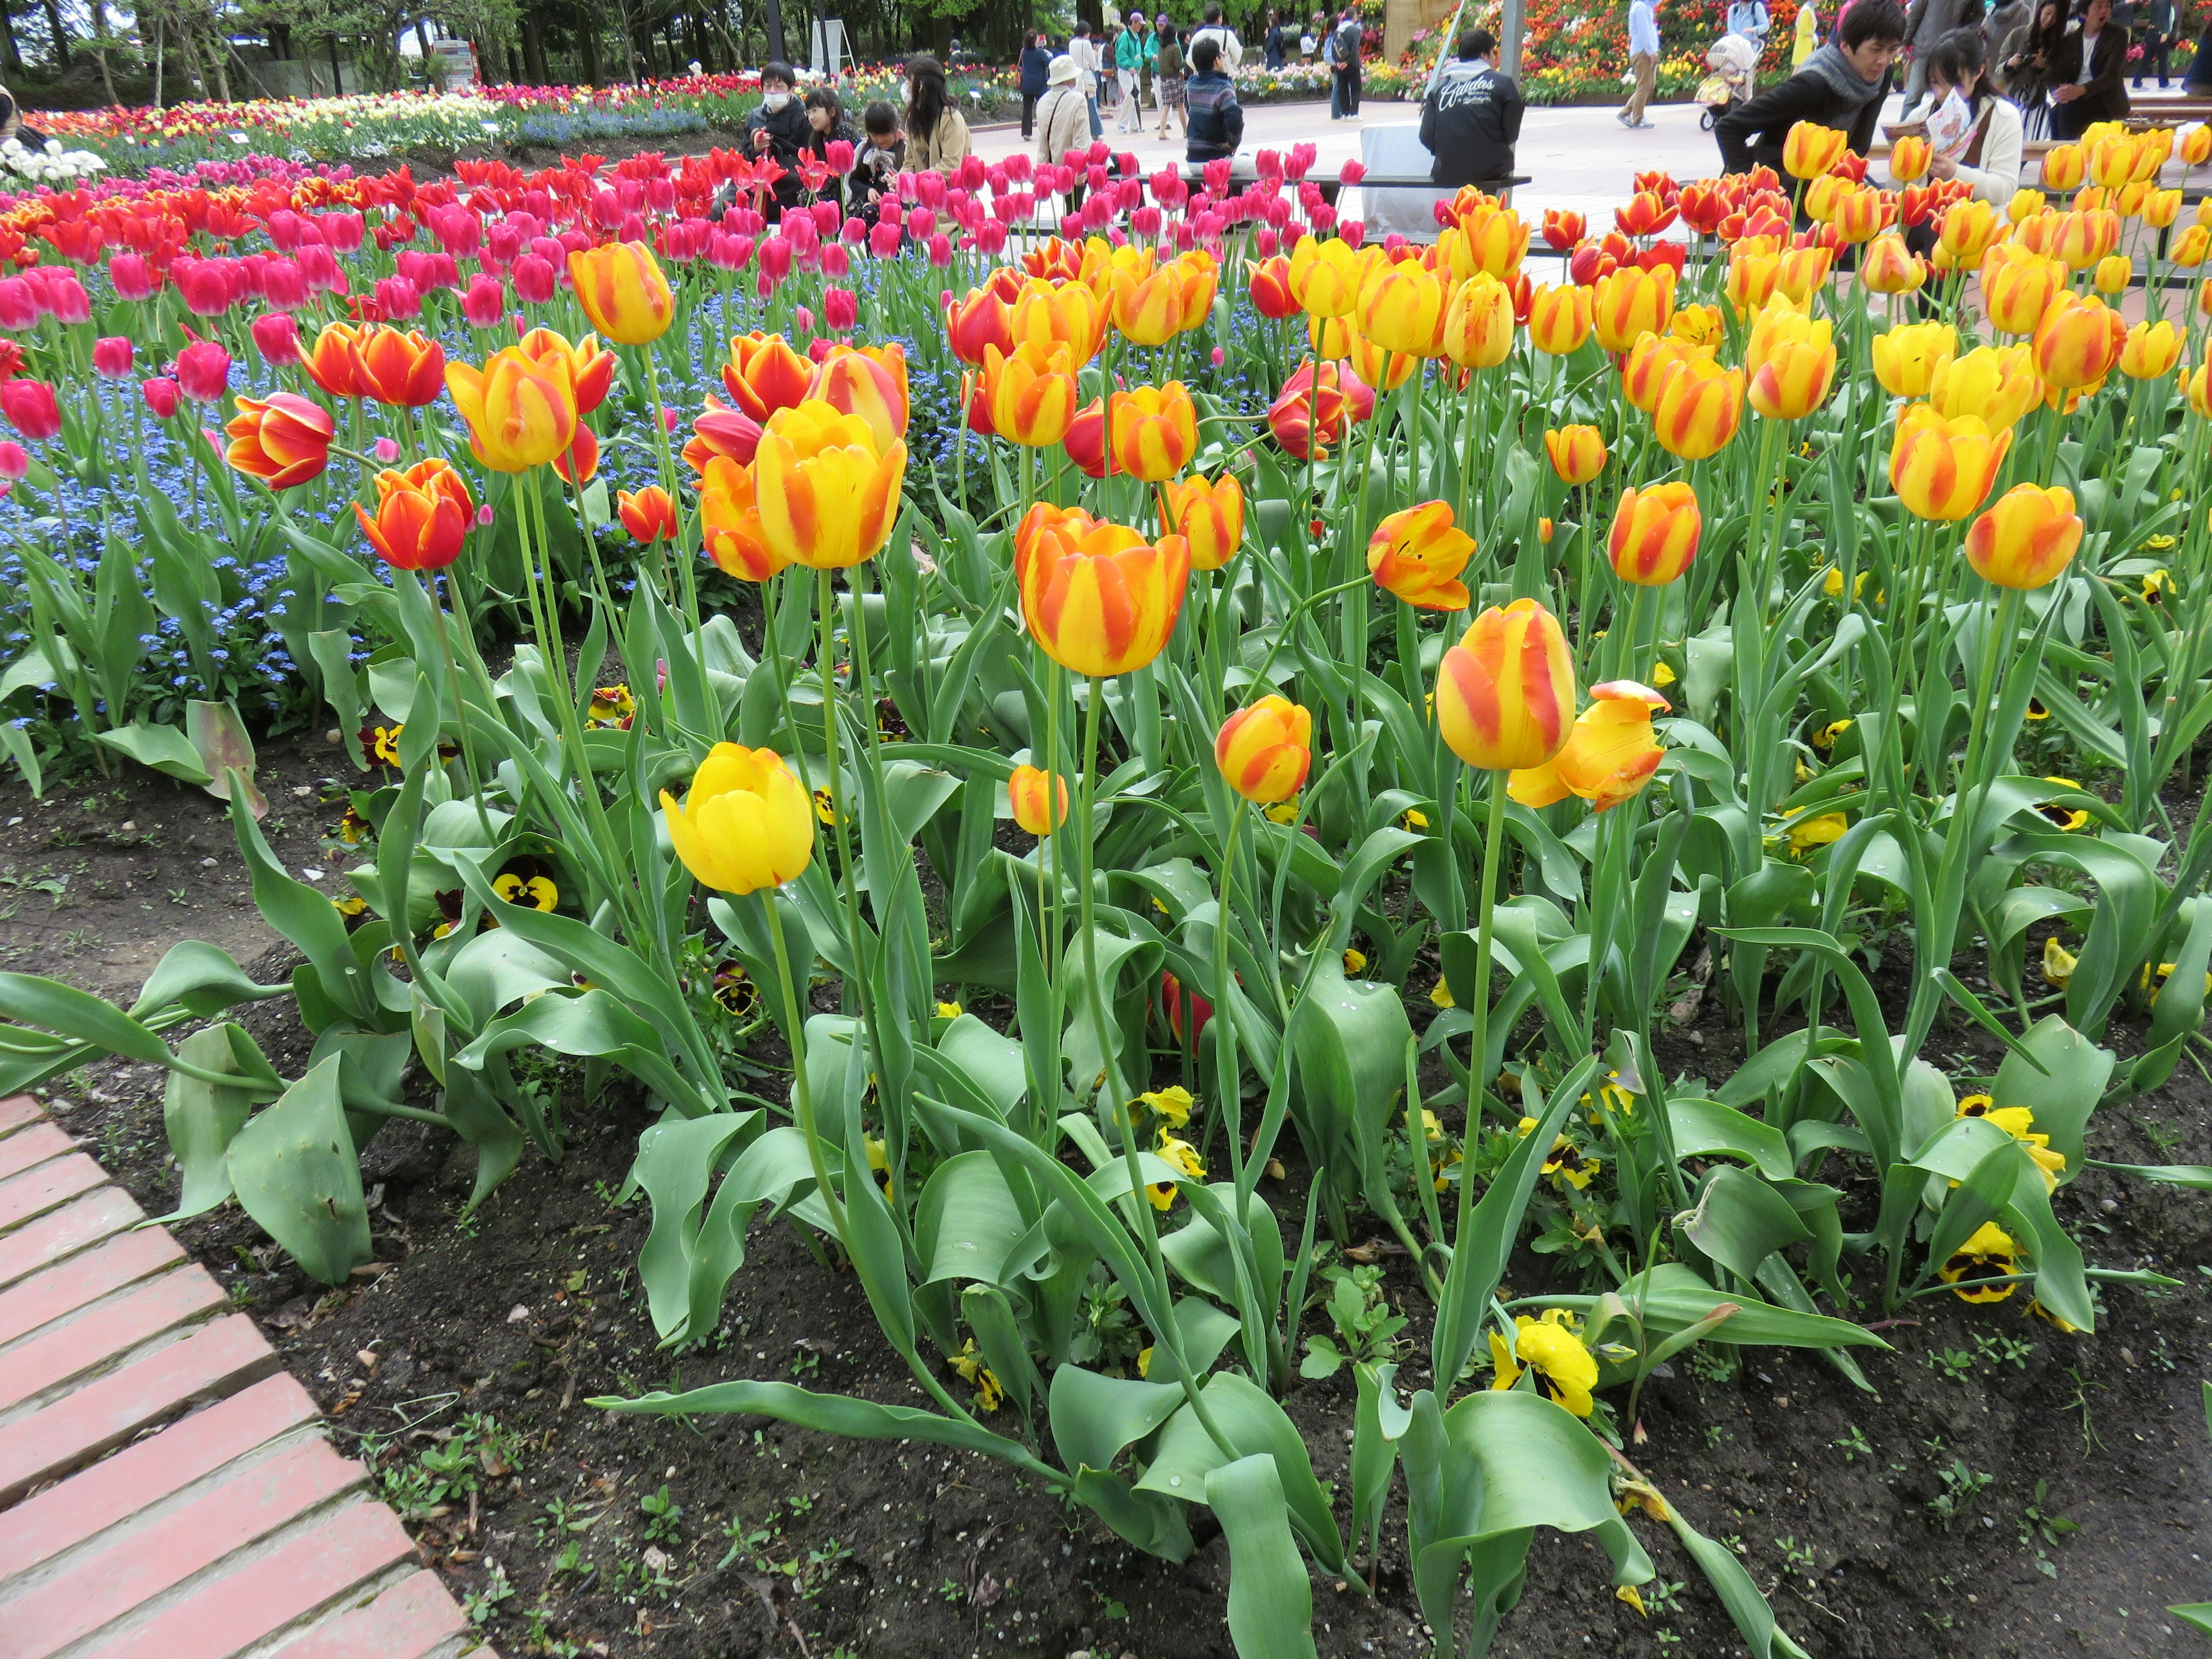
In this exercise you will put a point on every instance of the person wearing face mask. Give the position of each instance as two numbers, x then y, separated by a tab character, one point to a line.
777	129
1840	86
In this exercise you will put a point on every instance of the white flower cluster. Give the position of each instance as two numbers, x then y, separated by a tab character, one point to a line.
51	166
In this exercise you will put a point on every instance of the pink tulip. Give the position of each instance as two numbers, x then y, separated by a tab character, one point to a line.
160	394
534	280
277	337
841	309
30	408
14	460
132	277
203	371
111	356
484	301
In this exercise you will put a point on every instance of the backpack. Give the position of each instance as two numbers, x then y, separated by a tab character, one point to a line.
1348	37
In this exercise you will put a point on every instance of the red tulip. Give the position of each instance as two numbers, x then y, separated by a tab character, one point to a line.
112	357
30	408
203	371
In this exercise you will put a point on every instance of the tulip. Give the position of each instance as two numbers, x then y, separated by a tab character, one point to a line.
1270	289
202	371
623	291
1376	365
2018	288
1906	358
1026	792
2112	273
982	319
2152	350
112	357
15	462
1324	277
277	337
1559	319
1801	272
1887	267
1563	228
1941	468
1417	554
1909	157
764	374
1630	302
421	517
2027	539
1478	324
406	371
332	364
1148	309
1316	405
2063	166
721	430
730	529
1650	360
2083	239
1861	213
521	410
579	463
1209	514
2196	384
869	382
1402	308
1097	598
1700	406
159	393
1609	756
283	440
1655	534
1201	281
1791	363
1997	385
1265	751
1071	316
745	824
2078	342
1505	693
1809	149
31	408
648	515
1154	431
2196	147
828	493
2160	208
1030	394
1577	453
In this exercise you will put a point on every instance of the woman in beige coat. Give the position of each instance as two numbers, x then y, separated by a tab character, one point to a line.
936	133
1063	113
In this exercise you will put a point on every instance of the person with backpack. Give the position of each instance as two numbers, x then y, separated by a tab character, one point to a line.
1063	113
1344	42
1223	38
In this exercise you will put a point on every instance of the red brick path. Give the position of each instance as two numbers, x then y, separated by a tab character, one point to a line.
166	1490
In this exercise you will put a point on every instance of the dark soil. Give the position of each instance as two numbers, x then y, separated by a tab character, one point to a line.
529	1308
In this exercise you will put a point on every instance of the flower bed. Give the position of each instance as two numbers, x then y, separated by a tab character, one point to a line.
1160	801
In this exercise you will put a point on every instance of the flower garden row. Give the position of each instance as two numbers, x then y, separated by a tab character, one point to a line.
1136	668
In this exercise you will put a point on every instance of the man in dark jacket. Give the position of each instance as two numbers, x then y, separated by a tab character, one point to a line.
1840	86
1471	118
1217	120
2086	71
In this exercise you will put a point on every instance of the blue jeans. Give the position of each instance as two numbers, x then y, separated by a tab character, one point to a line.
1098	126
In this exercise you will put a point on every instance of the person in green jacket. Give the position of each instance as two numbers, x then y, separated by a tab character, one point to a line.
1128	59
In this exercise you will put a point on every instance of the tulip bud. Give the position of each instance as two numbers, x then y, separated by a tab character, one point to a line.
14	460
277	337
1265	752
30	407
202	371
1026	793
1655	534
2027	539
1505	693
484	302
2152	350
112	357
648	515
160	393
745	824
1941	468
1577	453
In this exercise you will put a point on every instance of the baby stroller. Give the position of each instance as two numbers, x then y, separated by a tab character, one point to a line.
1731	58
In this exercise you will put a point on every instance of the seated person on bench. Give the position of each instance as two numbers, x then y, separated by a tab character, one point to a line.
1471	118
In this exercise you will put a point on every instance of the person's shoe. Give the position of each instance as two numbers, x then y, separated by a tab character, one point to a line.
1643	126
1621	116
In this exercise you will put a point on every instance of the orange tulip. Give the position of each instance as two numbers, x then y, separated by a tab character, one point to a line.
730	523
1655	534
764	374
1031	394
1417	555
1478	324
1941	469
1315	407
1505	693
1559	319
869	382
648	515
282	438
1908	158
1027	793
1700	406
1097	599
1791	363
1577	453
407	371
422	517
1630	303
828	495
1265	751
2027	539
1609	756
1154	431
1209	514
1888	267
1270	288
332	363
1809	149
2078	342
2152	350
623	291
521	410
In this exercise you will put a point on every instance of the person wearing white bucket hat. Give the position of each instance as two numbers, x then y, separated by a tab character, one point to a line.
1063	115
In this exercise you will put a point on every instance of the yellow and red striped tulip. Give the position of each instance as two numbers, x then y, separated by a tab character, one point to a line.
1374	363
1970	229
1070	315
1700	406
2025	205
1997	385
982	318
1802	271
1027	792
2080	240
1103	265
590	365
282	438
2152	350
1889	267
1650	361
2063	168
1098	599
1417	554
1324	277
2111	159
1655	534
1610	755
1402	308
1209	514
1505	693
521	410
869	382
2018	288
2196	384
1752	273
1148	309
2160	208
1270	288
1201	281
1559	319
1941	469
1909	157
1031	394
1154	430
1630	303
1906	358
623	291
1266	749
2027	539
1577	453
2078	342
1861	213
730	523
1790	361
828	495
764	374
1809	149
1478	325
1497	239
2111	273
649	514
746	823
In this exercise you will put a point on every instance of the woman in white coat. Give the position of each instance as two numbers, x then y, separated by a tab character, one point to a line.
1990	164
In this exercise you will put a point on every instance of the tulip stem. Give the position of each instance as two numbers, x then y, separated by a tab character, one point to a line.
1230	1105
1478	1005
460	709
668	483
857	981
1055	690
802	1093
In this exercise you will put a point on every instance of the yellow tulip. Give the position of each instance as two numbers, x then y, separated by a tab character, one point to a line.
2152	350
827	497
1324	277
1942	469
1505	693
623	291
521	410
744	824
1906	358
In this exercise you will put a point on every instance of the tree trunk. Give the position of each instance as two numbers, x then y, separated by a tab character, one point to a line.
60	34
220	51
773	17
587	46
533	49
430	67
160	54
11	53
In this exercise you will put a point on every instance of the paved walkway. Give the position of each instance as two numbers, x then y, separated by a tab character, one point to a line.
166	1489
